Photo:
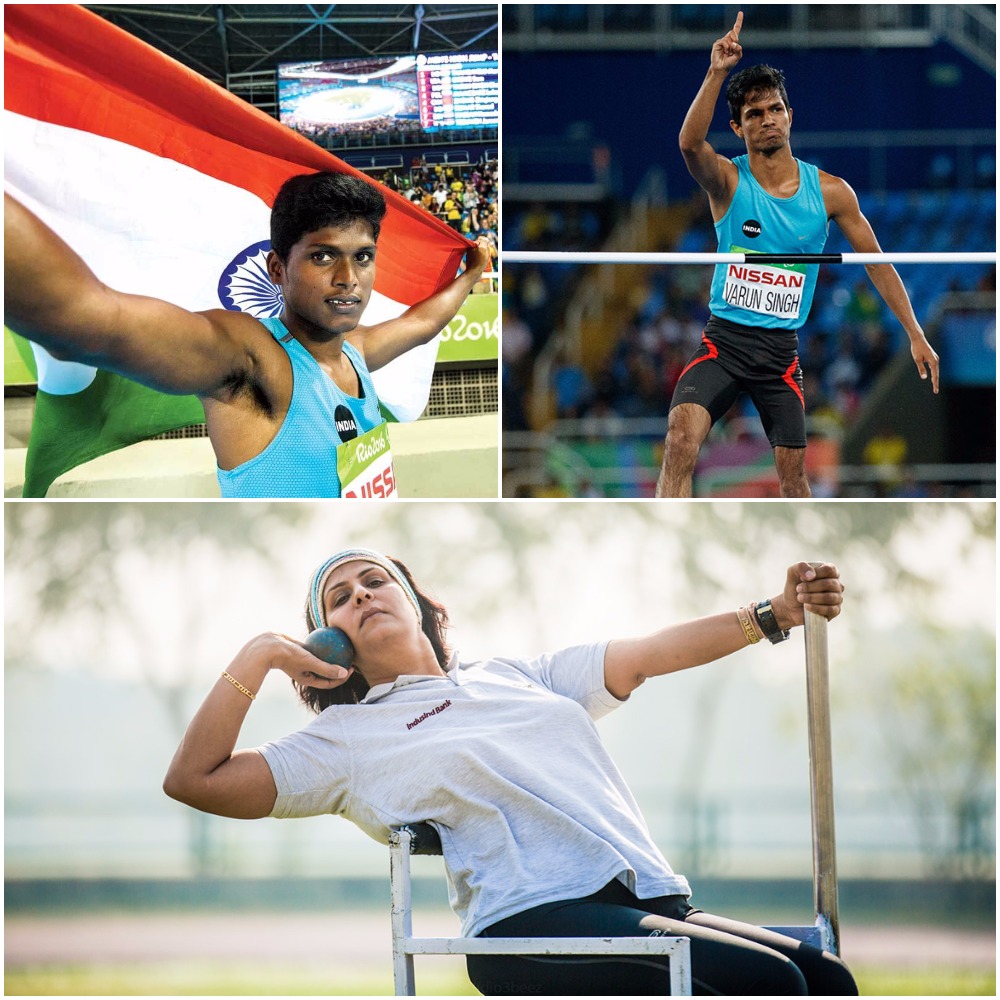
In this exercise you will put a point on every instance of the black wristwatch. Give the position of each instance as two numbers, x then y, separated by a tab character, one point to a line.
768	623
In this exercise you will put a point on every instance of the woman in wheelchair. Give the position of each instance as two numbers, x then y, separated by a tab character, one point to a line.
540	834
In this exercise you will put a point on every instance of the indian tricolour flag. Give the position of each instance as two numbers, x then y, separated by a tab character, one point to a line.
163	182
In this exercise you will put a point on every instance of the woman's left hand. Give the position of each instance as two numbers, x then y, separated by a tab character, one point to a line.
809	587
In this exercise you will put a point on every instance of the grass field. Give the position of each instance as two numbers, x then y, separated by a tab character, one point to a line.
218	979
344	952
279	979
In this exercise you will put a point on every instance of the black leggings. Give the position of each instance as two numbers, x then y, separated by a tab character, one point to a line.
728	958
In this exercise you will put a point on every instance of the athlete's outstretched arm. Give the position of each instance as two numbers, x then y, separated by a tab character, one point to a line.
714	173
54	299
629	662
421	323
842	204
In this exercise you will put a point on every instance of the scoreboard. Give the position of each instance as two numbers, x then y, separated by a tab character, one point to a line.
458	90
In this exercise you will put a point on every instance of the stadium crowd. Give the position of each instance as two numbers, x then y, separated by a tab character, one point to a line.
464	197
320	133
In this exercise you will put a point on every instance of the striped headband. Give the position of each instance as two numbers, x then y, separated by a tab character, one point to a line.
316	606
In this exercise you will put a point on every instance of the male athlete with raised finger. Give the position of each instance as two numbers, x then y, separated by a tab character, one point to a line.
766	201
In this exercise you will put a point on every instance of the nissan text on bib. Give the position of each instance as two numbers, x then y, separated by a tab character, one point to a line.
768	289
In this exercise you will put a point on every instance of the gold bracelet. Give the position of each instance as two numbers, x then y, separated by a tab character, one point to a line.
748	630
239	687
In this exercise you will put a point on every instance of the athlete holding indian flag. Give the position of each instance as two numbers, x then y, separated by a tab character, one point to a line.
766	201
284	398
138	263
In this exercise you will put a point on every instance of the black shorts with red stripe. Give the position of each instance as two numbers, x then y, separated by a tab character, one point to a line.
763	363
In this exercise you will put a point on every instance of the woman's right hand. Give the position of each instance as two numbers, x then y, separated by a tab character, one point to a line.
275	651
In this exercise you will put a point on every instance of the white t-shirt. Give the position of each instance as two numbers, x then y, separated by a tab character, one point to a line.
503	759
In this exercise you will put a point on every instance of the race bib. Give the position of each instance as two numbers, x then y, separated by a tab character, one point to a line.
769	289
364	465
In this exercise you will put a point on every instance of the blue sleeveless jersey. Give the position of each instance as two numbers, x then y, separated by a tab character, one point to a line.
301	460
775	296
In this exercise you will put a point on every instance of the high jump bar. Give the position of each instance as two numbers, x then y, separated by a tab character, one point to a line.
615	257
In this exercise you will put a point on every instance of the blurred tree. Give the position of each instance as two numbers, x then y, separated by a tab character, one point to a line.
67	564
52	549
933	706
90	558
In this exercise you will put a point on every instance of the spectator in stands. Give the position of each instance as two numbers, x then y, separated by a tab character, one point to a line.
537	226
873	351
887	451
516	348
844	371
863	305
535	302
571	386
488	225
470	196
820	412
452	214
645	398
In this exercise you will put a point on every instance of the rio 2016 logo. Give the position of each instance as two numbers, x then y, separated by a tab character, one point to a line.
461	328
365	452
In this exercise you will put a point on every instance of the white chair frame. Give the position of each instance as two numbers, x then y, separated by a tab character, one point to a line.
406	841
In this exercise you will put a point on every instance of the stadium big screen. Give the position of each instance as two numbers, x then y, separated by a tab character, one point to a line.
390	95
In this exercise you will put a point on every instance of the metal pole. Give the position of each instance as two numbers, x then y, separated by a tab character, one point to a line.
400	917
821	782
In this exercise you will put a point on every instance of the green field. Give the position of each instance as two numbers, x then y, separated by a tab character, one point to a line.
282	979
221	979
123	939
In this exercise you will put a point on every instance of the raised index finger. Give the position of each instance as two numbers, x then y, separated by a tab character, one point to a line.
738	24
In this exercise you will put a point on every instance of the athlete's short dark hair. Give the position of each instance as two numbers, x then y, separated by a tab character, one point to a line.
433	622
745	85
308	202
